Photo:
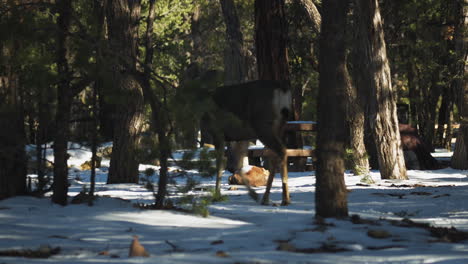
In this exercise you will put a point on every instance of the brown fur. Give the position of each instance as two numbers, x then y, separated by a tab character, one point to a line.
256	176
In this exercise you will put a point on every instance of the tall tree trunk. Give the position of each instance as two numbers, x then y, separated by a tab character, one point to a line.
99	13
12	140
271	40
429	98
375	80
331	193
356	122
158	109
123	21
444	122
64	100
413	92
235	71
354	110
460	155
235	68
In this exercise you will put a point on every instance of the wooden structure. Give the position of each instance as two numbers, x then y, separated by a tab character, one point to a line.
255	153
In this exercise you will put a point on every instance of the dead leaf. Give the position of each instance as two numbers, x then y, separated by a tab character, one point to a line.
217	242
378	233
136	249
286	246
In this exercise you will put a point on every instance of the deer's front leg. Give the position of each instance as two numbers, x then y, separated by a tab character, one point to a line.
284	180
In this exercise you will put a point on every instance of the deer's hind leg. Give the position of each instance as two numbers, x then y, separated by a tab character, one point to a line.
271	139
275	162
219	150
272	168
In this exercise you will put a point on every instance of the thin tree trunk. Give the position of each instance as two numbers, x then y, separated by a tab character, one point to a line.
413	92
443	133
64	100
460	155
98	85
158	110
375	80
331	193
122	21
12	140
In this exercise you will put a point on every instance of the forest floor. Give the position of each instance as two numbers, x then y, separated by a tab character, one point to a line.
421	220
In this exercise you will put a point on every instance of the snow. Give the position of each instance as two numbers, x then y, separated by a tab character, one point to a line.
240	230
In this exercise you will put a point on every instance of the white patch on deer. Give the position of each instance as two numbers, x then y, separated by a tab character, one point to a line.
282	100
246	169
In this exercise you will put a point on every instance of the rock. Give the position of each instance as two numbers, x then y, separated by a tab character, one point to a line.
256	176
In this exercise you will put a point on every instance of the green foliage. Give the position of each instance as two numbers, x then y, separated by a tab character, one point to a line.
199	204
349	157
190	184
204	164
217	196
194	97
420	48
303	60
351	164
366	178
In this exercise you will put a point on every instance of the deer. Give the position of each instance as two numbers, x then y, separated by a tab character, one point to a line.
248	111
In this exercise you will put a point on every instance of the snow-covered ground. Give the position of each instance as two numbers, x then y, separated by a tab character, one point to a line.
240	231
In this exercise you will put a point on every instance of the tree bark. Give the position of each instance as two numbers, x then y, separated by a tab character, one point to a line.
235	71
460	83
64	100
313	14
356	122
235	68
122	21
13	159
444	134
99	12
374	81
271	40
331	193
